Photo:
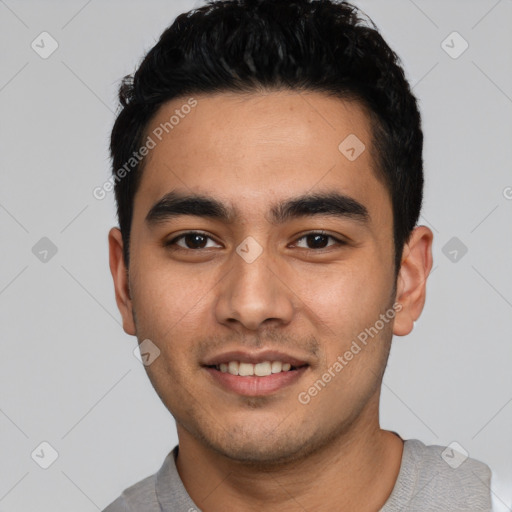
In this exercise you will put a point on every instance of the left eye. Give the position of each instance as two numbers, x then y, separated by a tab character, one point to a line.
319	240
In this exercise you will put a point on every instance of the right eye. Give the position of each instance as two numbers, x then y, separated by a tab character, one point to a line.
192	241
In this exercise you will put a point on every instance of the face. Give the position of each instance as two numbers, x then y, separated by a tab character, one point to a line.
258	246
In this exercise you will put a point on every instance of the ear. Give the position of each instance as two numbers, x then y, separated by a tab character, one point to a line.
415	267
120	276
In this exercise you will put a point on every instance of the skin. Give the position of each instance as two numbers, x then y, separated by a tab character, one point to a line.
271	452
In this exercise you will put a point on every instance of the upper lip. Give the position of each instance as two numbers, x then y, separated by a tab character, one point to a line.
254	358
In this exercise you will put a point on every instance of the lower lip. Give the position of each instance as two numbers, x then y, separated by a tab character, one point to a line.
256	386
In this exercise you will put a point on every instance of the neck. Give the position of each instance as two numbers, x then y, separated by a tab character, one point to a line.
355	471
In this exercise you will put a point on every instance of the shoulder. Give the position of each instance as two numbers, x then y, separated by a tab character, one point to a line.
450	462
141	494
437	477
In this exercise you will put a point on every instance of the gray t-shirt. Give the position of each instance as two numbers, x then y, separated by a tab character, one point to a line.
425	483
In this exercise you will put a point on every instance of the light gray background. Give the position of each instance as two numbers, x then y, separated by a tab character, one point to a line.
68	373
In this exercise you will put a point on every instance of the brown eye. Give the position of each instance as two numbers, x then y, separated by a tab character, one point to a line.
319	240
192	240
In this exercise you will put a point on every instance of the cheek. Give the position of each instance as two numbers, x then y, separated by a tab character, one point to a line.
167	301
346	300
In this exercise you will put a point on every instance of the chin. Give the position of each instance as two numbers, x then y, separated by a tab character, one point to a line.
258	455
261	447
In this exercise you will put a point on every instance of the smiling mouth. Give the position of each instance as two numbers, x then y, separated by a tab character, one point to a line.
263	369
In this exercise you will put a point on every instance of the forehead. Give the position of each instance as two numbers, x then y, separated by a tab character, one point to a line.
251	149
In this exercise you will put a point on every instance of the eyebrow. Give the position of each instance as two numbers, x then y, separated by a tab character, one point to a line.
334	204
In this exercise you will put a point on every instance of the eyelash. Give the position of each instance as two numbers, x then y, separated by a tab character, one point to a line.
312	233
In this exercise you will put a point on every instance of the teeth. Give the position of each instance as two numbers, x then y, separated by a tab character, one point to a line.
260	369
246	369
263	369
277	366
233	367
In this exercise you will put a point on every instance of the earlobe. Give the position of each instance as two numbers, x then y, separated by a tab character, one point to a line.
412	279
120	276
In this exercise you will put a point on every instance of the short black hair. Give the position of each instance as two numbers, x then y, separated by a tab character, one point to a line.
263	45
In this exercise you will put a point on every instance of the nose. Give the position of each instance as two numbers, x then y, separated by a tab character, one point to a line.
254	294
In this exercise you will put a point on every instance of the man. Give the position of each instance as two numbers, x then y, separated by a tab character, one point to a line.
268	175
